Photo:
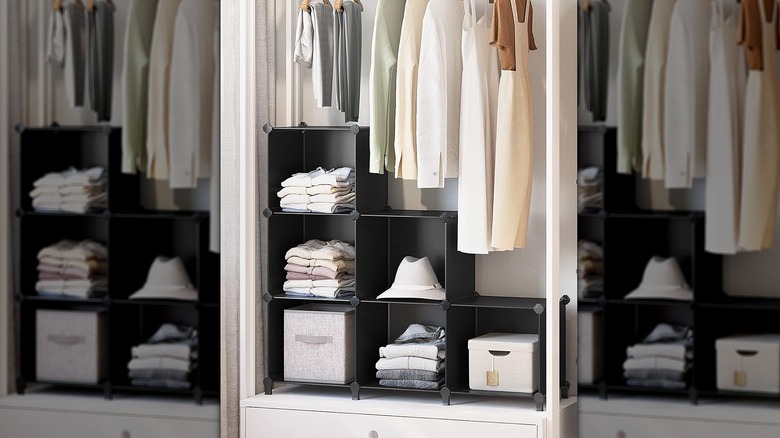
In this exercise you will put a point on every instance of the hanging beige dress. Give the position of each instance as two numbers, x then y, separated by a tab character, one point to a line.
761	159
514	144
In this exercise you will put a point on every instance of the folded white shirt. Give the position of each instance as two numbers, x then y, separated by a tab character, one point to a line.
333	177
291	191
322	250
428	350
159	363
344	282
72	250
340	187
294	199
70	177
334	265
409	363
303	179
329	207
655	363
335	198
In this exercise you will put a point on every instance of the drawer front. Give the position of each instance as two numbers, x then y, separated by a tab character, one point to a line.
606	426
268	423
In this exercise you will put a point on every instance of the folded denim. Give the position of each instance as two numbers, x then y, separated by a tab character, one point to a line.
427	376
412	384
155	374
652	374
657	383
420	334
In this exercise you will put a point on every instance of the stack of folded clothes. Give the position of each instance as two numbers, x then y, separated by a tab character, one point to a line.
322	269
589	189
662	360
590	270
414	360
319	191
72	191
73	269
166	359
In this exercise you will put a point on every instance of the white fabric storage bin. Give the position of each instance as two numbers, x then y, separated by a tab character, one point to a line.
504	362
69	346
749	363
319	343
589	354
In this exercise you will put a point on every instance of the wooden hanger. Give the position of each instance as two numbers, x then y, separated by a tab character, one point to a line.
90	5
585	5
337	4
305	6
57	5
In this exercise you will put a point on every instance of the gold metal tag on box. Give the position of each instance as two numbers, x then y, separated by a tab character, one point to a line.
492	378
740	378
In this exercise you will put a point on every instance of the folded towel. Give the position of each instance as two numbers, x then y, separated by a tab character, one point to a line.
159	374
656	363
656	383
409	363
159	363
176	351
294	199
673	351
426	351
335	265
412	384
322	250
319	271
428	376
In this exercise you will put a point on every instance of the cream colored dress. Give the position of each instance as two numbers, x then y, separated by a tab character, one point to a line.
514	147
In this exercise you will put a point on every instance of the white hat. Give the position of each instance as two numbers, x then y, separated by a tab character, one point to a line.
663	279
415	279
167	279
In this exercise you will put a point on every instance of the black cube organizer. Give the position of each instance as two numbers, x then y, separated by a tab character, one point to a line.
382	237
133	237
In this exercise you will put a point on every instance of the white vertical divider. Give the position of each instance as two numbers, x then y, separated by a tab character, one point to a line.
248	129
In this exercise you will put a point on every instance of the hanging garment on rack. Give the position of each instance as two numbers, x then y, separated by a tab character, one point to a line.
74	22
654	88
348	25
515	141
503	29
406	90
438	93
214	201
725	118
382	77
597	59
304	34
631	71
323	53
138	43
478	107
761	157
191	93
157	149
55	43
100	59
685	104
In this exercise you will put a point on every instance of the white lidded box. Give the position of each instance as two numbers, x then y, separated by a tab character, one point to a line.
69	346
749	363
504	362
319	343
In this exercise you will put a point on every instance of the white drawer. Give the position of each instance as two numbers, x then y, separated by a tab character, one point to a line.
273	423
608	426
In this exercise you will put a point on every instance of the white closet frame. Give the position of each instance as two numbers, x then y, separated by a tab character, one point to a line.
560	197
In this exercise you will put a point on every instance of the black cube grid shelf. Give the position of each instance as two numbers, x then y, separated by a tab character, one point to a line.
382	237
630	237
134	237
